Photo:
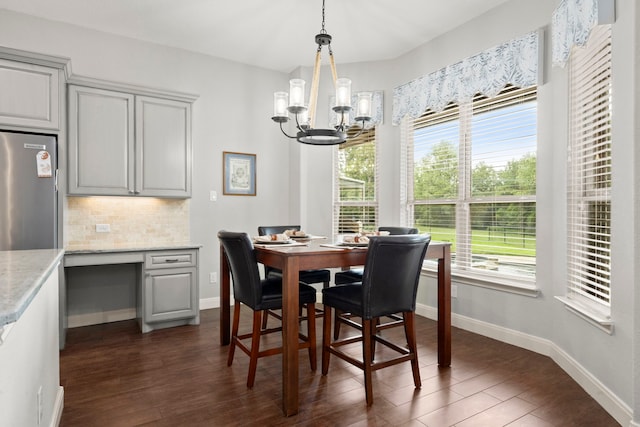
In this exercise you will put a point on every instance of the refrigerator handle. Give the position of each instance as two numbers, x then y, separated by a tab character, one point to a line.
56	180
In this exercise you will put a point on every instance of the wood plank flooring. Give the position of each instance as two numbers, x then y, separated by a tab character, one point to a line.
115	376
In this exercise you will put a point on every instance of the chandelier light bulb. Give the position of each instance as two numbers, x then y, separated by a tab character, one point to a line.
280	104
296	90
343	92
364	102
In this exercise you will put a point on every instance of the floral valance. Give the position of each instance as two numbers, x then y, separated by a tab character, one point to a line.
572	22
514	62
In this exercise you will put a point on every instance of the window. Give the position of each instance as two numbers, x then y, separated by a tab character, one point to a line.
589	171
355	196
471	180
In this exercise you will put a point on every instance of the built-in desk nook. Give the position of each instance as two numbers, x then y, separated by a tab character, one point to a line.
165	291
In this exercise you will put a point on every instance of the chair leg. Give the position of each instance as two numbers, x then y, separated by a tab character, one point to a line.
234	332
336	325
410	332
264	320
326	339
367	336
255	348
311	334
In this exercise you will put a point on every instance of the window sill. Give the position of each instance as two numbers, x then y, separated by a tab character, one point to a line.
591	315
512	285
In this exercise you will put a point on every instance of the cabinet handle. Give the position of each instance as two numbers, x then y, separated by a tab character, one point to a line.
172	260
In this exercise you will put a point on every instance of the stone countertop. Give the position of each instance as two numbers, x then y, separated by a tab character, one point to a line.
22	274
71	250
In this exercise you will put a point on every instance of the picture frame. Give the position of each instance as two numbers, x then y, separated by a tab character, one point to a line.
239	174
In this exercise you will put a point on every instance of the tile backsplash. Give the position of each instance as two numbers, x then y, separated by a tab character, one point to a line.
133	222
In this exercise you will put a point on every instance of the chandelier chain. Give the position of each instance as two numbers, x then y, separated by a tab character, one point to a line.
322	30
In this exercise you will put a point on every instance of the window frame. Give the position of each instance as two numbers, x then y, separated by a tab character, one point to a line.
367	136
464	199
590	146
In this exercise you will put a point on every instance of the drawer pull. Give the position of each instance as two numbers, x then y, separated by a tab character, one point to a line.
171	260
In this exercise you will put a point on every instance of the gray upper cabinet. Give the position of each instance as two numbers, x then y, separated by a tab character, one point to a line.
125	144
163	147
101	142
29	95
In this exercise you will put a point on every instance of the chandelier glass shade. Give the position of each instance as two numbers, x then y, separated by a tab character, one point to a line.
292	103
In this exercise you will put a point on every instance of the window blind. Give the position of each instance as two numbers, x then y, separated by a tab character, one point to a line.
589	170
472	174
355	206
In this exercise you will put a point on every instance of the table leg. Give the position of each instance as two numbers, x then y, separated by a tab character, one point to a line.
444	308
225	299
290	303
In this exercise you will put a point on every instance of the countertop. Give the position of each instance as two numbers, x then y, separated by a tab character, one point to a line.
71	250
22	274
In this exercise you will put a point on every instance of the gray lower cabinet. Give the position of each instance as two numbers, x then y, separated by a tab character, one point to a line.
169	295
127	144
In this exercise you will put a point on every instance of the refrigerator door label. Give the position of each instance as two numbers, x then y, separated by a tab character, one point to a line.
43	161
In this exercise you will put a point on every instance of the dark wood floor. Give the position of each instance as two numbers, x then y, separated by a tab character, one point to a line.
115	376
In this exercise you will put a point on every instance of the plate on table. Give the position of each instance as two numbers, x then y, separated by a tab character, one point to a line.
300	236
354	244
271	242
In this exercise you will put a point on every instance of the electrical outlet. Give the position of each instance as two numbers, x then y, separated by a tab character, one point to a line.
103	228
213	277
454	291
39	404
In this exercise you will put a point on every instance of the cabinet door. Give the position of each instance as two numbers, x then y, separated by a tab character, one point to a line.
170	294
29	95
101	142
163	147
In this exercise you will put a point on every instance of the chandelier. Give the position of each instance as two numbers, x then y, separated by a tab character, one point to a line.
294	103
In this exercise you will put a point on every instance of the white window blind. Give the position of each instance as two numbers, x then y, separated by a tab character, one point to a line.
355	205
589	170
471	173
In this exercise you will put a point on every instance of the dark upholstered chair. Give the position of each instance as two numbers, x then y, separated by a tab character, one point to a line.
306	276
260	295
354	275
389	285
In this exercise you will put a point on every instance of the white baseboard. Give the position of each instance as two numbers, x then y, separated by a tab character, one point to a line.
78	320
598	391
58	406
206	303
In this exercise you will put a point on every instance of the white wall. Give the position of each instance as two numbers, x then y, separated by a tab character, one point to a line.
294	181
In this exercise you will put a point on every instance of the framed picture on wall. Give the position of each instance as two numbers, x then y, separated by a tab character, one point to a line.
239	174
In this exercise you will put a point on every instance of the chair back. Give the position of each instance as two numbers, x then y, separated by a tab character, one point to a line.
391	274
399	230
244	267
264	230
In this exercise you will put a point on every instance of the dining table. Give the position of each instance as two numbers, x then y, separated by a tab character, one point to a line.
293	258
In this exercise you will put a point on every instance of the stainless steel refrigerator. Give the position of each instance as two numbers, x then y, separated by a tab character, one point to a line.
28	191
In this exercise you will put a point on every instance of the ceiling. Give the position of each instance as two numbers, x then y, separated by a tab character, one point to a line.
273	34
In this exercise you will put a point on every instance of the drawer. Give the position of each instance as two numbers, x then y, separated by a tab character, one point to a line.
171	259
